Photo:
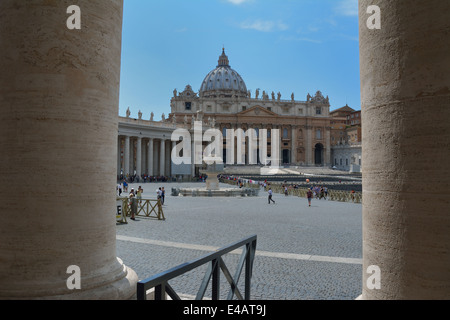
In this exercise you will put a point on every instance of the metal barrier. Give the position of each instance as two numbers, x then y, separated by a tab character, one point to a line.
333	195
160	282
145	206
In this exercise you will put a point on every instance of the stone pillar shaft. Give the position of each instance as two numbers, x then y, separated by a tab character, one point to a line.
405	85
150	157
59	91
162	158
126	157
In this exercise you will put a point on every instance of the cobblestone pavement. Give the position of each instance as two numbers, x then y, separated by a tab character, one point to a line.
302	253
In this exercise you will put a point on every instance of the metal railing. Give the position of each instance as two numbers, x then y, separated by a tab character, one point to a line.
160	282
151	208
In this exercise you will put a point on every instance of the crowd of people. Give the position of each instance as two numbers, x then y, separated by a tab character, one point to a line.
144	178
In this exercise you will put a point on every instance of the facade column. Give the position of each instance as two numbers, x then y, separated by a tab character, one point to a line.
126	157
294	145
309	148
406	136
162	158
139	156
59	96
193	157
327	160
150	158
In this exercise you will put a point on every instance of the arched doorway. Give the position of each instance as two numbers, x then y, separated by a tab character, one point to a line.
318	154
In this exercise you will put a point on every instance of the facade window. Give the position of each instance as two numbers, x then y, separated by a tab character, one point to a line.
346	162
318	110
244	108
340	162
285	133
318	134
188	106
300	111
269	108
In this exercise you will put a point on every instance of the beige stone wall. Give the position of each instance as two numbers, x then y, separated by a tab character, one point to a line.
405	85
59	93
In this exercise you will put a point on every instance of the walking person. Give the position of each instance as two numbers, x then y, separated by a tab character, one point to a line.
270	196
119	188
309	195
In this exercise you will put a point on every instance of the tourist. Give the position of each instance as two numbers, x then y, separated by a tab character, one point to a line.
163	195
309	195
119	188
270	196
159	194
125	186
133	204
286	191
139	194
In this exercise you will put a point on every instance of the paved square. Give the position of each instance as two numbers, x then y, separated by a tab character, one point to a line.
302	252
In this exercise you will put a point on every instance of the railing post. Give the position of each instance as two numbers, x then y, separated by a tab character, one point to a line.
215	279
248	270
160	292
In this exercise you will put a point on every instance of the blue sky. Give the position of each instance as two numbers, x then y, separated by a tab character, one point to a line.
298	46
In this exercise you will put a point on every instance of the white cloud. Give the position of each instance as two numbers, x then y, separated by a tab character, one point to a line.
264	25
237	2
348	7
298	39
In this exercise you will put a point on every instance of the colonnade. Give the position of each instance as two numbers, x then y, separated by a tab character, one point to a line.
143	156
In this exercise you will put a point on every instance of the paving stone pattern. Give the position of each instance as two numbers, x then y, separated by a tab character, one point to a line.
299	248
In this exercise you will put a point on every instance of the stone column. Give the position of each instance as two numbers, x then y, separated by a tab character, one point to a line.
119	151
162	153
59	91
139	157
405	85
327	153
309	148
193	157
150	157
293	145
126	157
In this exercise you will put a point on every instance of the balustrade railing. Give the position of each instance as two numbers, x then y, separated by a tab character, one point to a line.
162	288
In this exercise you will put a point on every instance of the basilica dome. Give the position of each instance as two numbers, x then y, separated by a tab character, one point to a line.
223	81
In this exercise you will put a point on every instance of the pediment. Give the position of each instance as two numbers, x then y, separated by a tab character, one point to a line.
257	111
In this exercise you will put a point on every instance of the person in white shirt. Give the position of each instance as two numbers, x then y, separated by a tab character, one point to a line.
270	195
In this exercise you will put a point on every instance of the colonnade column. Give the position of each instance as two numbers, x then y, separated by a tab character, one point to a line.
59	97
119	158
162	153
139	156
150	158
126	157
405	93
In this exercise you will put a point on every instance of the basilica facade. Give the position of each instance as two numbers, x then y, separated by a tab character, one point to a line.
225	103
